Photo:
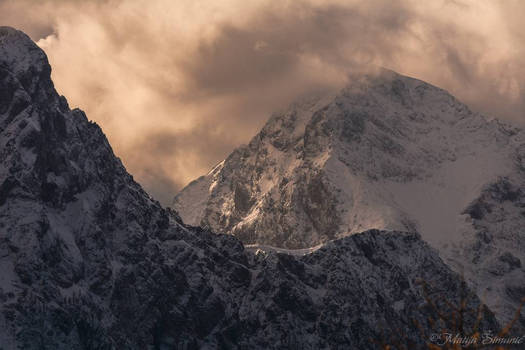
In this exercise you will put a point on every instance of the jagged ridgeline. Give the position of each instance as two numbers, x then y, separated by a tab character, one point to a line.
385	152
89	261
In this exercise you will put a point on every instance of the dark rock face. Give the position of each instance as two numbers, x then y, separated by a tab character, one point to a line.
89	261
496	249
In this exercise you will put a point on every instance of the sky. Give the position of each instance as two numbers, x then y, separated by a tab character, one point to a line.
176	85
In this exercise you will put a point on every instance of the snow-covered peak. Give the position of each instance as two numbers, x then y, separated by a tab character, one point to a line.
386	152
340	163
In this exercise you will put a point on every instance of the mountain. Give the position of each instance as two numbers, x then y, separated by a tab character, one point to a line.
88	260
386	152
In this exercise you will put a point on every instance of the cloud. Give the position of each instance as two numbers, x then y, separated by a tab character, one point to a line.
176	85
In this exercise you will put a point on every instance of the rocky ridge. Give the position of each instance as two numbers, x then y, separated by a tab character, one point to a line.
386	152
88	260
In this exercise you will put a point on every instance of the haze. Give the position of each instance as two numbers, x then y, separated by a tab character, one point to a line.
177	85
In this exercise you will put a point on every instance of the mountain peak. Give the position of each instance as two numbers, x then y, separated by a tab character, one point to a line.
386	152
25	61
6	31
381	126
17	44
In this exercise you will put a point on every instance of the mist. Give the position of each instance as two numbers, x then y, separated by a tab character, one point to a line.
177	85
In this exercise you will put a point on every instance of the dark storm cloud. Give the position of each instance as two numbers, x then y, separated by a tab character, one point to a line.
273	45
176	85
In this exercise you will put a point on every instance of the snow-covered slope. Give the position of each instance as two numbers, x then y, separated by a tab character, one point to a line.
89	261
386	152
491	256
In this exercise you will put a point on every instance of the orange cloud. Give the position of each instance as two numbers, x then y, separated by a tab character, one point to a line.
176	85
